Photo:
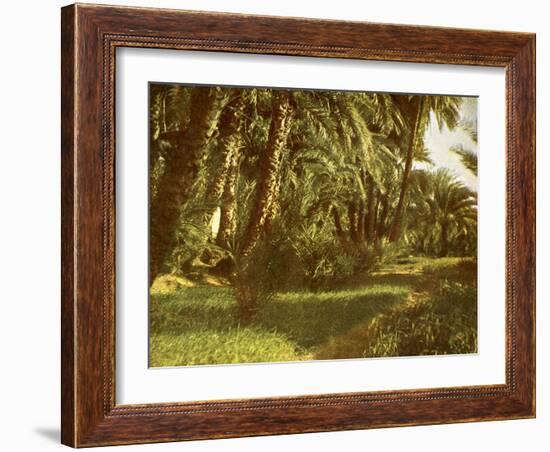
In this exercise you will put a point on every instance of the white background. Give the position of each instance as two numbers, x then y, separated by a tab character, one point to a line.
138	384
29	235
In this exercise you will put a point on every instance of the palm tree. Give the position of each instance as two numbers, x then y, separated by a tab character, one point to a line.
268	160
443	212
342	138
231	141
181	166
417	109
266	200
457	207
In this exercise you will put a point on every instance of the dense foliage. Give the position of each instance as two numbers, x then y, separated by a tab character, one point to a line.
279	190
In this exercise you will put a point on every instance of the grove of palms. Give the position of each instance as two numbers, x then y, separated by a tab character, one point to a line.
274	211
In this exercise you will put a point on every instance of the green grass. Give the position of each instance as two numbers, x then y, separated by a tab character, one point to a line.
192	308
445	323
413	306
198	325
231	346
310	319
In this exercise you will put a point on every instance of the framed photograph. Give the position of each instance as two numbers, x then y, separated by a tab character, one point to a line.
280	225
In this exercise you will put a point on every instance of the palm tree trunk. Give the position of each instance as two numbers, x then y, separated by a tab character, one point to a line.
382	217
395	230
228	207
337	223
361	213
265	202
352	221
181	168
375	215
370	219
221	191
230	139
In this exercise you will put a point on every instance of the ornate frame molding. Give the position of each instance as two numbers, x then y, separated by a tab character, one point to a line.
90	37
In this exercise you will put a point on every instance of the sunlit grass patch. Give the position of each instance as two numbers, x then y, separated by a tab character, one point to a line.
168	284
452	268
424	272
220	347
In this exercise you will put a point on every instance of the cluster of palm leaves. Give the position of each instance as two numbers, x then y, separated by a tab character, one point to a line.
326	174
443	215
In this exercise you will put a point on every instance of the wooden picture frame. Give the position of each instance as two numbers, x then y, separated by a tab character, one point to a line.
90	36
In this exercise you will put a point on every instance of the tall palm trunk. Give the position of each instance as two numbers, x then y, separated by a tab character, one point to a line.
395	230
382	216
230	143
181	168
221	191
338	224
228	207
352	222
371	204
265	202
375	215
361	221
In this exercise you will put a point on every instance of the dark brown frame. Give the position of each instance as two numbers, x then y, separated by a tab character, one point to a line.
90	35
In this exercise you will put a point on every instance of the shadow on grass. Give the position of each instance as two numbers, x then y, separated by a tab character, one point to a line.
400	279
199	325
442	322
193	309
306	318
309	319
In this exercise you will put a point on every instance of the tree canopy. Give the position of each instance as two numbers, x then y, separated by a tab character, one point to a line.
306	184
